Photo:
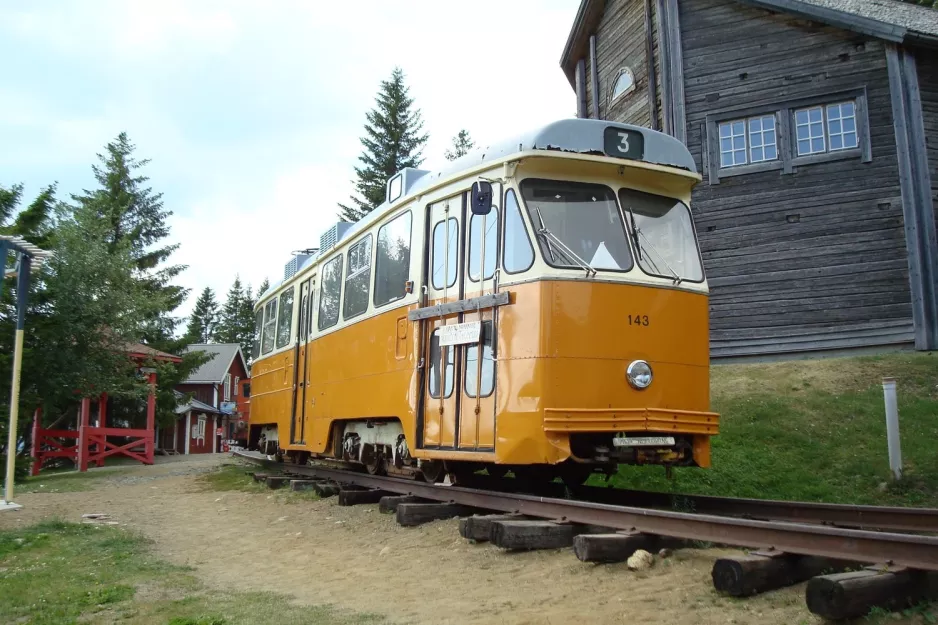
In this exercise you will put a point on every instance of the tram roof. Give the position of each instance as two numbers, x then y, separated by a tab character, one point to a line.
574	136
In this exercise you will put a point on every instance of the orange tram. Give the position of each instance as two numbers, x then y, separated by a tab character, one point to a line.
538	307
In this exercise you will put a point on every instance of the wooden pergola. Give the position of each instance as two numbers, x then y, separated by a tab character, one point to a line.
89	444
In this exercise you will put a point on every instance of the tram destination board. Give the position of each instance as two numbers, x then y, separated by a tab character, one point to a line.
460	333
624	143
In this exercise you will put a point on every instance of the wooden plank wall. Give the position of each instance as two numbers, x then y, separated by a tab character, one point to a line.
620	42
927	62
838	276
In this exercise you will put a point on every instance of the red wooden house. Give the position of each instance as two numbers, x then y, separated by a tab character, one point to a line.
218	409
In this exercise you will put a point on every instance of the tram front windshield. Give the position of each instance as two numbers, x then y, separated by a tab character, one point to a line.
664	233
578	225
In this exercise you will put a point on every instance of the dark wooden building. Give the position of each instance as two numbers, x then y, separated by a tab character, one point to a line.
815	126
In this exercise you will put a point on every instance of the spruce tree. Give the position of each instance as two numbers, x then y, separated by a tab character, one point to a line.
392	141
136	217
462	144
236	322
204	319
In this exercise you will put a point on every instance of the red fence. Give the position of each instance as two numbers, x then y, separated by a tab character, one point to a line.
51	443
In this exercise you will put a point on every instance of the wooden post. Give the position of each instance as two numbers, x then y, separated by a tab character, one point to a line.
83	445
151	417
615	547
37	461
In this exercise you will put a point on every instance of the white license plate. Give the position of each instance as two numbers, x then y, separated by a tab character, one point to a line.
643	441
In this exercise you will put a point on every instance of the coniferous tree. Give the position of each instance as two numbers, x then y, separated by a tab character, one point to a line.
136	217
462	144
263	287
236	323
204	319
392	141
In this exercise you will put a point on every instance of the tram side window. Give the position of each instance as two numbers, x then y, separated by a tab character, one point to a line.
435	365
445	248
330	293
487	369
270	326
392	260
518	254
491	244
285	320
258	328
356	282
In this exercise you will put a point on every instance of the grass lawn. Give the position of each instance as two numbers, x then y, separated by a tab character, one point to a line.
815	430
58	573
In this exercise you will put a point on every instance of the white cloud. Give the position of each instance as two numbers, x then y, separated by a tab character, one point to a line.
251	112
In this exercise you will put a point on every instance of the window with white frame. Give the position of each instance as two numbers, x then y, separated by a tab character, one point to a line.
829	128
227	385
750	140
237	383
200	430
788	135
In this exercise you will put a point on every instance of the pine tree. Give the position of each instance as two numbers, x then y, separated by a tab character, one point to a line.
204	319
236	323
392	141
462	144
136	217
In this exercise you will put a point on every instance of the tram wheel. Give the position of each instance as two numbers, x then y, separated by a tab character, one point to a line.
432	471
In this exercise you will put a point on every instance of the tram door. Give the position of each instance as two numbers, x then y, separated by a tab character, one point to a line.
443	285
477	388
459	396
301	371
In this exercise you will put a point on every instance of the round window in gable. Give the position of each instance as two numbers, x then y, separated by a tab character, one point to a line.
624	83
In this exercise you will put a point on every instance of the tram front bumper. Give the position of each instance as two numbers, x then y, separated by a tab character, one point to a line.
634	435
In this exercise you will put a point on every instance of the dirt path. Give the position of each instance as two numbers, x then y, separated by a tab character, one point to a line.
361	560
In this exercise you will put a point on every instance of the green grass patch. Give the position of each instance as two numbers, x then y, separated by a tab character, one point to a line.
58	573
815	430
62	482
232	477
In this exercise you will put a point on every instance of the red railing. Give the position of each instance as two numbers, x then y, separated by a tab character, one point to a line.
51	443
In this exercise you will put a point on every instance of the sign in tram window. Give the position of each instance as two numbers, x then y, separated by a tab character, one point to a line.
623	143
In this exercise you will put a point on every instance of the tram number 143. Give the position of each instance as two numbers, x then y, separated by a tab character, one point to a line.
638	320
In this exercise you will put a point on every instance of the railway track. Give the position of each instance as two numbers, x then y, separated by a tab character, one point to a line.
794	541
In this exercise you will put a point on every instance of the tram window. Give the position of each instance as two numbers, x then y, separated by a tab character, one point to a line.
518	253
666	235
285	319
258	328
392	259
444	260
358	269
584	218
435	361
270	326
491	244
330	293
488	364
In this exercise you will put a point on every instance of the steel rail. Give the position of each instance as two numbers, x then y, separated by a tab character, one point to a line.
913	551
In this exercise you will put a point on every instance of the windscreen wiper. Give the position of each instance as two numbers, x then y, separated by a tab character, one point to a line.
561	246
651	246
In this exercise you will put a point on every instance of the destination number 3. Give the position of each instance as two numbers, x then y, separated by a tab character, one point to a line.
638	320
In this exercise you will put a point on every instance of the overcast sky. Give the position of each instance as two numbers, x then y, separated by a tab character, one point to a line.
251	112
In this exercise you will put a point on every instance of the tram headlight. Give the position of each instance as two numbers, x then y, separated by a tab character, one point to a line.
639	374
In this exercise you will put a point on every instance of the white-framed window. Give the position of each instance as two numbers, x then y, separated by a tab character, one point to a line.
227	387
200	427
809	128
787	135
748	140
829	128
237	383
